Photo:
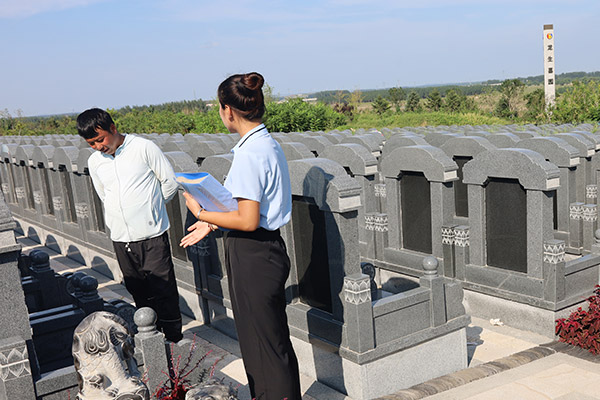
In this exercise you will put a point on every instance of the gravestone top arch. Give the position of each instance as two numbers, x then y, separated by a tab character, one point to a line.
9	151
554	149
432	161
466	146
438	138
360	160
585	146
24	154
67	156
218	166
181	161
295	151
44	155
529	167
82	159
504	140
326	182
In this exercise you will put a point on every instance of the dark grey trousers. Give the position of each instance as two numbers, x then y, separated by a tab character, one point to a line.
257	268
149	276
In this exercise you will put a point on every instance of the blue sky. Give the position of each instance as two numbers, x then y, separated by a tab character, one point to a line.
62	56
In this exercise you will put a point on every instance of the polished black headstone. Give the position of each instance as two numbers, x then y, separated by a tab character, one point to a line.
178	230
65	182
312	259
46	189
554	209
97	210
506	224
416	211
28	188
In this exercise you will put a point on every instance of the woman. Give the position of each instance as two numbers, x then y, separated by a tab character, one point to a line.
256	258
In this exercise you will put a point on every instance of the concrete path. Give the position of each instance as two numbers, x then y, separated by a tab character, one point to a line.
504	363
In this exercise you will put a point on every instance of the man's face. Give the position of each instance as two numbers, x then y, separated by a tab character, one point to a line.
106	141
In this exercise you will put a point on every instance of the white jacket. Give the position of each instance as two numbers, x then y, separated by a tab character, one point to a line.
134	186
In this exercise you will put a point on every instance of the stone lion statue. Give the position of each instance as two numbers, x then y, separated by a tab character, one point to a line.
103	356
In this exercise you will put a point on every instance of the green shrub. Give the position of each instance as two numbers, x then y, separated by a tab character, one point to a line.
297	115
579	103
380	105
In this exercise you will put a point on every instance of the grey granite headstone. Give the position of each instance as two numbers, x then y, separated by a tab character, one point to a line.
296	151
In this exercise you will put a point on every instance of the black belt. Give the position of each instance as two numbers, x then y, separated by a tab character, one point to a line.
261	234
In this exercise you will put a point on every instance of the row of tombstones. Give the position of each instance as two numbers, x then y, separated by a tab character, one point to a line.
490	215
414	196
330	298
571	149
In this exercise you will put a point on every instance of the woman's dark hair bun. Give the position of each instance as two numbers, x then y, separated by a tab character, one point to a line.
253	81
244	93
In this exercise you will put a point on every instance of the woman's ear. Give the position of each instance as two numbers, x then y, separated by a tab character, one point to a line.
229	113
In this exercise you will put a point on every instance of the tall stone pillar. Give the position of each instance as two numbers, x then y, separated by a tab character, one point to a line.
16	381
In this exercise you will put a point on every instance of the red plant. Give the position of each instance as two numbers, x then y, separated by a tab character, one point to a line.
178	384
582	328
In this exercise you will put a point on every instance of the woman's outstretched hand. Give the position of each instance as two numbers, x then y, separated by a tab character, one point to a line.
191	203
198	231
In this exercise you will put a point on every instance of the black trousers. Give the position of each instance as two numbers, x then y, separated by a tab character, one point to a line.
149	276
257	268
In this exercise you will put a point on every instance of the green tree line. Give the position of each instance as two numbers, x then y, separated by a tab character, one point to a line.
474	89
511	102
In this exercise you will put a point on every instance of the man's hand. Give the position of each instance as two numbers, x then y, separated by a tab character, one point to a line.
198	231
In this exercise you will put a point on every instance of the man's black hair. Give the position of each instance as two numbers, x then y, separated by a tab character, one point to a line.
92	119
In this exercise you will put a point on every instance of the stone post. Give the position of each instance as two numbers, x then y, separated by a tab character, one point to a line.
151	344
435	284
448	250
40	269
376	226
73	287
590	218
358	313
89	300
371	251
380	196
16	345
461	251
554	270
575	225
591	194
369	270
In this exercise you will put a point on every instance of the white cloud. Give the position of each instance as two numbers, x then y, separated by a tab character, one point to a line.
27	8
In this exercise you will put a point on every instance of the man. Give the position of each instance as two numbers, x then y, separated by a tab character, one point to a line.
134	180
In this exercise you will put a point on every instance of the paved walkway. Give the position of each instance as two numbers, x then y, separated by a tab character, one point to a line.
504	363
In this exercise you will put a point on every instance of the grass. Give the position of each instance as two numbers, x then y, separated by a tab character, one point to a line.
391	119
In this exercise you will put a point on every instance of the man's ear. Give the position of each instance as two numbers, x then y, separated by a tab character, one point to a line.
113	129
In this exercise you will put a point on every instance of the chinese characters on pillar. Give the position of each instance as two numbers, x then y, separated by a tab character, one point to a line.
549	79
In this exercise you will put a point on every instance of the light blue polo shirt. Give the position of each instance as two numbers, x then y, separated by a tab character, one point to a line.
259	172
